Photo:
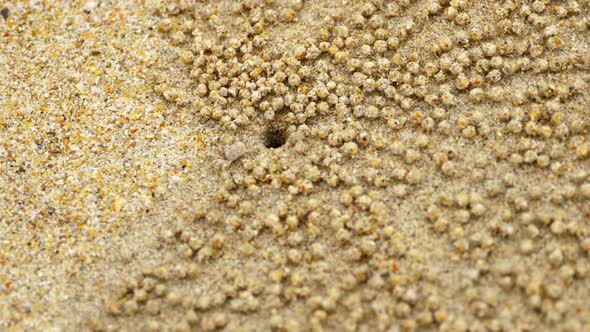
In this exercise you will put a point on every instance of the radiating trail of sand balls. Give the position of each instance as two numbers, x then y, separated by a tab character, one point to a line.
415	130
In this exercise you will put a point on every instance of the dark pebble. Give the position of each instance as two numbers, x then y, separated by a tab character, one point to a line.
4	12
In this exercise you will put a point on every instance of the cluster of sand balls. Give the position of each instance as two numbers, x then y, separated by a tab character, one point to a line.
405	165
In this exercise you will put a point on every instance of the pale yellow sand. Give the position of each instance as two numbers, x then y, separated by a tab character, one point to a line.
295	165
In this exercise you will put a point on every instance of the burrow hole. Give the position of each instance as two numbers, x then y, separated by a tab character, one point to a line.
275	137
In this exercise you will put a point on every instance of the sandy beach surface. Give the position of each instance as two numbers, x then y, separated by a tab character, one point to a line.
295	165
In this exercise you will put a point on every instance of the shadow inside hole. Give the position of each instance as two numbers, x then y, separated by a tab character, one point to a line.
275	138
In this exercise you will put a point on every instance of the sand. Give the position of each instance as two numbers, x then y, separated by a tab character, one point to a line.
295	165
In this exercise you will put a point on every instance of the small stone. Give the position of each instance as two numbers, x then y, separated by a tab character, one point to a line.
89	6
235	151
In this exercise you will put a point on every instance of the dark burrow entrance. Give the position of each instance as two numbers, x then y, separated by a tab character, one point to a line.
275	137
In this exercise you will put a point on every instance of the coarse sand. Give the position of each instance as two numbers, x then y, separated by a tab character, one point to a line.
295	165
